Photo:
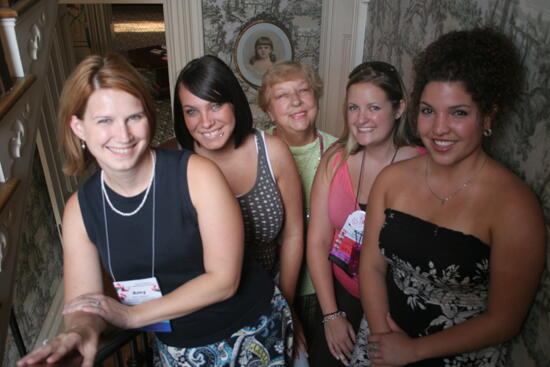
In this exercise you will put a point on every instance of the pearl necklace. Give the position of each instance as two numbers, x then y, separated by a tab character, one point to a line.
124	214
445	199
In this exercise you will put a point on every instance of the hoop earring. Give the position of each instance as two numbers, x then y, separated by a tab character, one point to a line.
83	145
487	132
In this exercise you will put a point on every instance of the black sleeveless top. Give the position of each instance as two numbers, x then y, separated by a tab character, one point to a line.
178	251
437	278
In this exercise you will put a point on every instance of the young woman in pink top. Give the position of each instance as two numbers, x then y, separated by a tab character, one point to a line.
374	136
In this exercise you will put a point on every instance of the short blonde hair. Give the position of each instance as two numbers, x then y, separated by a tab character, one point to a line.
93	73
284	71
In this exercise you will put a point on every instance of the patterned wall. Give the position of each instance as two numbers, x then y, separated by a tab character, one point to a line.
39	265
399	29
224	19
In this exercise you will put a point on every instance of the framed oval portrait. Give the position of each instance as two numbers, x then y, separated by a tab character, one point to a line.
259	45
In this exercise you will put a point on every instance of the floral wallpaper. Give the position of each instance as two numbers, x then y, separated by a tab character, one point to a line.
39	265
399	29
224	19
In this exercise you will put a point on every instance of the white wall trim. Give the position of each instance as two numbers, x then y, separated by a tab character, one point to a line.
99	21
11	47
360	24
184	35
333	65
324	57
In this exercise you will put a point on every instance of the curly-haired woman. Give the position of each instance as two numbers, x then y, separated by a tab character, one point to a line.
457	242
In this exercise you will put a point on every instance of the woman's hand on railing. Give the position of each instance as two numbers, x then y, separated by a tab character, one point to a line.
109	309
82	338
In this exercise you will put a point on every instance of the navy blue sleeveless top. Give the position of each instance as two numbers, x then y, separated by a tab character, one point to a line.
178	251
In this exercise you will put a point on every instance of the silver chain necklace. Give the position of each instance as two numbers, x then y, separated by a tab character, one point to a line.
445	199
124	214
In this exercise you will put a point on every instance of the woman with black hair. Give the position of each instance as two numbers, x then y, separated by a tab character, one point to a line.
457	242
212	117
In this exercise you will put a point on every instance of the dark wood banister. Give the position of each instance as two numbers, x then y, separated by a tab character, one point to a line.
19	88
16	9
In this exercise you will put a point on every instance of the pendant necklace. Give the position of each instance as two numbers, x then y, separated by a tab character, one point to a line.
444	200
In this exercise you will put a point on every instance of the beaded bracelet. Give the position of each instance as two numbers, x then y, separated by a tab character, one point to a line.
332	316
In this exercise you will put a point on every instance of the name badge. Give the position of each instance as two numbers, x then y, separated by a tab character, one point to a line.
347	246
135	292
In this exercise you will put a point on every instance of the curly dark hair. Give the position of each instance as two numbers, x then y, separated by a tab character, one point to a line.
485	61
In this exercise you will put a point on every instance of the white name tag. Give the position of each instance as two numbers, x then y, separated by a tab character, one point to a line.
135	292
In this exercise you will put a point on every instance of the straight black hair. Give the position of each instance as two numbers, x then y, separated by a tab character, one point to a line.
209	78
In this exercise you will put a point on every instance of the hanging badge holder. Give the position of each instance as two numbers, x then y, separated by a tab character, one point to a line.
134	292
346	247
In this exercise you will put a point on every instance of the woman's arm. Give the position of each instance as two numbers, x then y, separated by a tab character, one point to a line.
82	275
292	235
516	263
221	230
372	265
338	331
319	238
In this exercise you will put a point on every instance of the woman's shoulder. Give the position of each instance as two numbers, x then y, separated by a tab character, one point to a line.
333	155
404	170
514	211
168	158
507	188
328	139
276	147
408	152
91	187
72	204
198	165
203	175
407	159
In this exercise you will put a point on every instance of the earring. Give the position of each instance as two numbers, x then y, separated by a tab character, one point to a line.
487	132
83	145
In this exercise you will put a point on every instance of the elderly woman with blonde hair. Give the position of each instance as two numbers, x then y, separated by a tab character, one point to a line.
289	94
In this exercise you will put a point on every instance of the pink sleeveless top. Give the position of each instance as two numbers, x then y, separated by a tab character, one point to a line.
341	203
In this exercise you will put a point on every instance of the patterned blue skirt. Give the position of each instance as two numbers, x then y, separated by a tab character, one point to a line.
267	343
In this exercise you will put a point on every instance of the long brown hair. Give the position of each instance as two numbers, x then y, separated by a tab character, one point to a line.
386	77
